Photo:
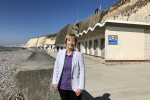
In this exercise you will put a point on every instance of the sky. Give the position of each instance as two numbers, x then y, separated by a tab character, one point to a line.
21	20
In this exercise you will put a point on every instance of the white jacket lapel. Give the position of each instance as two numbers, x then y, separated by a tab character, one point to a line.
73	61
63	59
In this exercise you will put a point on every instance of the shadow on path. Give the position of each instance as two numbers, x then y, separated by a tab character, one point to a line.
87	96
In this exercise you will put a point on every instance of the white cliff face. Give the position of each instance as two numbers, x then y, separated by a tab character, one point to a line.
50	40
135	10
41	41
32	43
118	13
142	15
137	15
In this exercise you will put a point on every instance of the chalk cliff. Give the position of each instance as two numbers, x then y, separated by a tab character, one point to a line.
129	10
50	41
41	41
32	43
124	10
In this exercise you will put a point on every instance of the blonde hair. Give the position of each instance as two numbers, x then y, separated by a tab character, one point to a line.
68	36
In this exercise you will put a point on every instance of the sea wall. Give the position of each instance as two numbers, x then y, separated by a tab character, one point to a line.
34	77
62	34
90	22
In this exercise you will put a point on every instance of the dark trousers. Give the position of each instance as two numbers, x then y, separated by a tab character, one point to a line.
68	95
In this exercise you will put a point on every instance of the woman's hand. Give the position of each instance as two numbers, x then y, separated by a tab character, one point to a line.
55	86
78	92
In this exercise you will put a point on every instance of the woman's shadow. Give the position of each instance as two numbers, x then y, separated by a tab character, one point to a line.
104	97
87	96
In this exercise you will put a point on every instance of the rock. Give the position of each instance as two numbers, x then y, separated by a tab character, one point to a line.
9	62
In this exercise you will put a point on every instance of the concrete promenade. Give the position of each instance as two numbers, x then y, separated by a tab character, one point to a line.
115	82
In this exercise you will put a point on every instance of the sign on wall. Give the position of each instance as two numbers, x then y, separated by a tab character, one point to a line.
112	39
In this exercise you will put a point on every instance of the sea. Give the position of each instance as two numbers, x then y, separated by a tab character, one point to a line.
10	48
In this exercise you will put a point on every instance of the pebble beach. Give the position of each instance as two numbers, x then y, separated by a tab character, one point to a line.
9	62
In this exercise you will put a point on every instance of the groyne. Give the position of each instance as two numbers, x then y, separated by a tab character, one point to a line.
34	77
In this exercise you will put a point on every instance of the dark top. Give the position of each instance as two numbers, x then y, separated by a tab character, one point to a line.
65	80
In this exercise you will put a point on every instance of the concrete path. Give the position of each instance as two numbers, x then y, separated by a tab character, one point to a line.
115	82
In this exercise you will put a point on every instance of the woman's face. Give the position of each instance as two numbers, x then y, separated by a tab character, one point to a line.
71	43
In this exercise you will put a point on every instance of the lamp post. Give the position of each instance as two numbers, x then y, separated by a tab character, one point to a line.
100	8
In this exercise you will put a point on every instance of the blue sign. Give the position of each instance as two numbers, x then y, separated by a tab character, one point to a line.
112	42
112	39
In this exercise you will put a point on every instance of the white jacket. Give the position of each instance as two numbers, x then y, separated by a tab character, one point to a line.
77	71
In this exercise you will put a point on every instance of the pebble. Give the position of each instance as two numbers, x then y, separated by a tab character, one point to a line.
9	62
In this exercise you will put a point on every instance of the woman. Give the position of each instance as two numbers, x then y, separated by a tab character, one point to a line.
69	71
